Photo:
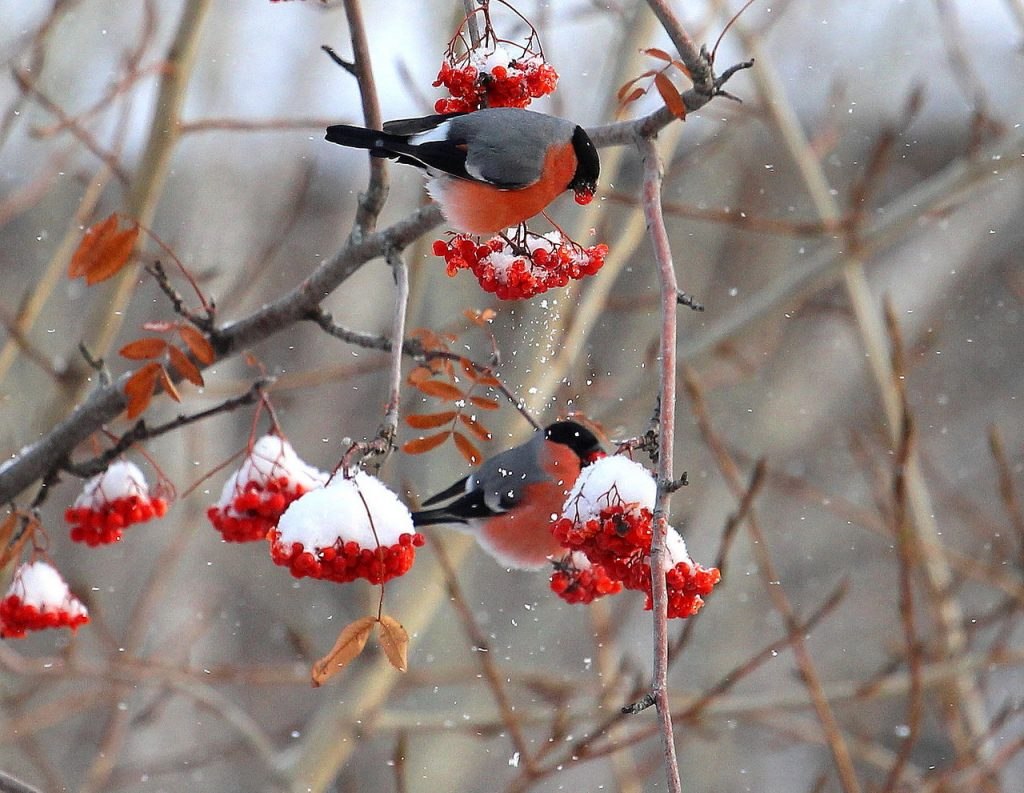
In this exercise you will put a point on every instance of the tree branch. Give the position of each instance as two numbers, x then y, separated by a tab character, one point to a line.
666	434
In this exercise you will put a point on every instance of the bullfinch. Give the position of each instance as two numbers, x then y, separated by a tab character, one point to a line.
489	169
511	499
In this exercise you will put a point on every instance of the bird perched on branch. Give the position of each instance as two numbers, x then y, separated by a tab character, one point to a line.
511	499
489	169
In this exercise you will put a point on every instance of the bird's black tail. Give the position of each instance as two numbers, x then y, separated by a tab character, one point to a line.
431	517
379	144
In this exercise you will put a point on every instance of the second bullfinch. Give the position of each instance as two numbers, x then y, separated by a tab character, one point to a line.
490	169
511	499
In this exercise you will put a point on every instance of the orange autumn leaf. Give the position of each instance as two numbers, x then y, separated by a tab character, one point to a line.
168	384
669	95
484	403
103	251
654	52
427	421
184	366
421	445
475	427
394	641
143	349
418	375
139	388
197	344
347	648
467	449
10	548
440	389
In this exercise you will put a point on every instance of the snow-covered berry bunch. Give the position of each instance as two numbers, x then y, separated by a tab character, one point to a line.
37	599
255	496
608	518
515	272
353	528
492	77
110	502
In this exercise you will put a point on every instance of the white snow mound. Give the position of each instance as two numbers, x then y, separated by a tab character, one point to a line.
606	482
39	584
344	510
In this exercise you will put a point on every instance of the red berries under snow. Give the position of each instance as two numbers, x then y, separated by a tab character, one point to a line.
256	495
110	502
521	271
493	78
38	598
353	528
607	518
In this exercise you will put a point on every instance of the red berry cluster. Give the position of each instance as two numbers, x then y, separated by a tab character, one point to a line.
688	585
37	599
519	274
17	617
579	581
347	561
515	85
618	544
255	509
102	522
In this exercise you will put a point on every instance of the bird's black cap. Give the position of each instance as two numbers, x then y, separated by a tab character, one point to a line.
575	436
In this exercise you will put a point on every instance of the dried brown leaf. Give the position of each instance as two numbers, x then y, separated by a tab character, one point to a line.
466	448
83	255
427	421
394	641
440	389
418	375
484	403
144	349
184	366
103	251
421	445
197	344
347	648
654	52
489	380
11	548
168	384
633	96
159	325
476	427
669	95
139	388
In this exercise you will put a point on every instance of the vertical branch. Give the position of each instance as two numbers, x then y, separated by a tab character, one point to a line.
372	201
906	555
667	279
389	427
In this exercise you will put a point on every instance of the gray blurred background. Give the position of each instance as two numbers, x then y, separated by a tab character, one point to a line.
876	155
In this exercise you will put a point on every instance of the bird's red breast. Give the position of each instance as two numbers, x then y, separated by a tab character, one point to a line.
480	208
522	536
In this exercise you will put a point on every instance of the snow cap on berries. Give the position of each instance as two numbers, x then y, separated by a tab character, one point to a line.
110	502
39	598
255	496
353	528
610	481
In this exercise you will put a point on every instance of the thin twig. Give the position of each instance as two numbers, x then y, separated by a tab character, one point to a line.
666	435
